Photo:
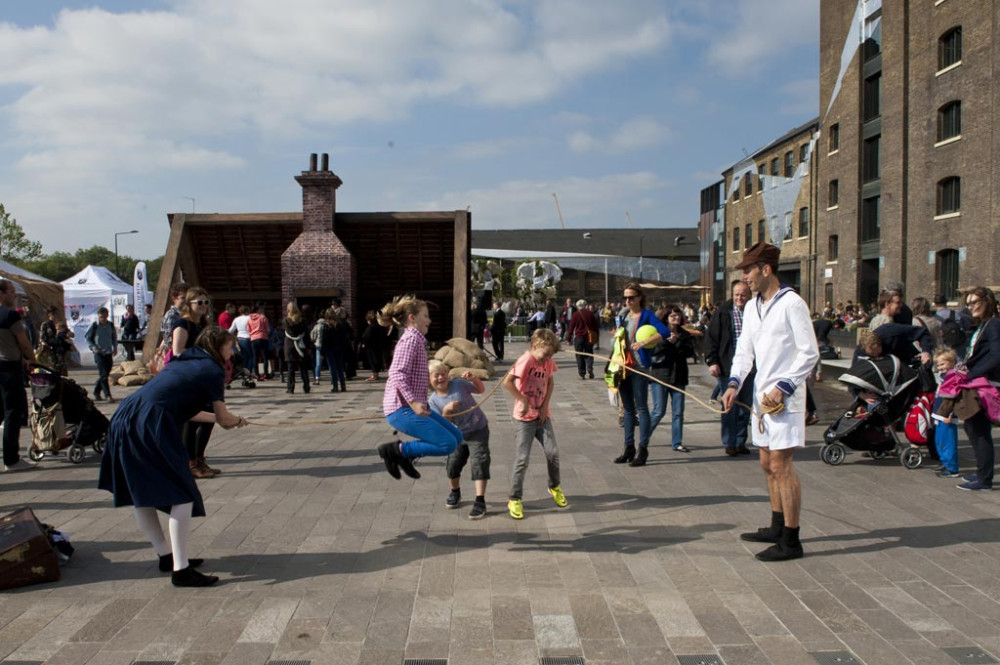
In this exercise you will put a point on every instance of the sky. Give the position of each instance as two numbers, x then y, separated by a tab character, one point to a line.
114	113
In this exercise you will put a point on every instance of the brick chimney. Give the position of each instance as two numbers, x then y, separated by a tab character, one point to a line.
318	262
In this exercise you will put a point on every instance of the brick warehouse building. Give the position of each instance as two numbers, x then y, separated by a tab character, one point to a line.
312	256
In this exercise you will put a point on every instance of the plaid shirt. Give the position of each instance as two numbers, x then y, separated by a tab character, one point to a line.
737	324
408	379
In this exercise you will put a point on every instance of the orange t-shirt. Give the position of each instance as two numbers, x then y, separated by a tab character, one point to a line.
531	379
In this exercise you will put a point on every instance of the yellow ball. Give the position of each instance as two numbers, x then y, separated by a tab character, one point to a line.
644	333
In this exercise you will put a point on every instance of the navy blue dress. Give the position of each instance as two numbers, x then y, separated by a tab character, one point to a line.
145	463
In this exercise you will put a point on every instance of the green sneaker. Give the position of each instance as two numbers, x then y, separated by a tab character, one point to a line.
515	509
558	496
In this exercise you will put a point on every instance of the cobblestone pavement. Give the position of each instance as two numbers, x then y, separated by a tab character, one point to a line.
325	558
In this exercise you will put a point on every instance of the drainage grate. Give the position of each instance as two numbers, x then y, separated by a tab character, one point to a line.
700	659
835	658
153	662
969	655
289	662
425	661
561	660
24	662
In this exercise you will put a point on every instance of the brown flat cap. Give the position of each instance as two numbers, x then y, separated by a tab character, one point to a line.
759	253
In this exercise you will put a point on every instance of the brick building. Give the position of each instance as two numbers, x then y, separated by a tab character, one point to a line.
312	256
907	175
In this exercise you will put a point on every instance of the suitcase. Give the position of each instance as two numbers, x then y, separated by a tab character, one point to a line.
26	556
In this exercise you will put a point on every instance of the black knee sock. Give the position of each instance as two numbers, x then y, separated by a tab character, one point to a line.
777	522
790	536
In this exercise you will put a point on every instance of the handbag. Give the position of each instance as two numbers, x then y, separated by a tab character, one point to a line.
592	337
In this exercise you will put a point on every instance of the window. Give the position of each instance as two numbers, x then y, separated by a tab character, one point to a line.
761	172
871	218
748	236
949	120
870	160
834	196
835	137
872	97
946	267
788	226
789	163
803	222
736	238
803	152
949	195
774	166
828	292
761	231
873	37
747	184
950	48
833	248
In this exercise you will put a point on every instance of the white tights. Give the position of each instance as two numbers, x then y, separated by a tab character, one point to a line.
179	525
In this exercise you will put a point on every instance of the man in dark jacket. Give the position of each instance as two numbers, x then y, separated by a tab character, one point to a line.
720	347
498	328
478	323
550	315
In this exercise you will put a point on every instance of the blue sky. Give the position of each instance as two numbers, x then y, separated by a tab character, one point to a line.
113	112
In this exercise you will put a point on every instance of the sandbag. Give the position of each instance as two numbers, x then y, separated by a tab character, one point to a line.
455	358
442	353
132	380
477	364
132	366
465	346
457	372
114	376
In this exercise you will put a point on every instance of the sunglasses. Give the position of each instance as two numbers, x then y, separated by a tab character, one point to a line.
630	297
201	302
973	302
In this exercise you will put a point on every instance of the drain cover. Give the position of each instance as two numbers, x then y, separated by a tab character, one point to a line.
969	655
288	662
570	660
425	661
700	659
835	658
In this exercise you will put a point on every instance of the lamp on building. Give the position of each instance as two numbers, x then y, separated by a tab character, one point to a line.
120	233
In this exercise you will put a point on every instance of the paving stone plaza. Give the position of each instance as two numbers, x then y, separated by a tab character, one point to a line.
325	558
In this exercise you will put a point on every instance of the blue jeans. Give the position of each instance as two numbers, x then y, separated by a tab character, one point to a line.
736	422
946	440
660	394
335	363
436	436
246	354
634	394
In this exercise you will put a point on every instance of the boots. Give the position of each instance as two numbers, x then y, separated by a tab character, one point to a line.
787	548
628	454
199	472
203	465
768	534
640	458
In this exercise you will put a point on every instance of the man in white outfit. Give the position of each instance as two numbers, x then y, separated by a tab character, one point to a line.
778	337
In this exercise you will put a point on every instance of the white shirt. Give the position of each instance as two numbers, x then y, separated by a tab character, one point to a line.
240	326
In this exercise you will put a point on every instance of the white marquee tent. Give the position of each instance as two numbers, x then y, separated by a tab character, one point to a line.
85	293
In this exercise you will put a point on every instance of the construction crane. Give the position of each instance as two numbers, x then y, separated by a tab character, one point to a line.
559	212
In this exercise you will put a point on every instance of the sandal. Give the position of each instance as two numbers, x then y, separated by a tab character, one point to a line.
370	379
682	449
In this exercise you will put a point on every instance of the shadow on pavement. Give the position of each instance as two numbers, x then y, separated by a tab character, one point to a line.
919	537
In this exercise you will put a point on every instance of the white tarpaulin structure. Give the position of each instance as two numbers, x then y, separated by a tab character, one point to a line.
85	293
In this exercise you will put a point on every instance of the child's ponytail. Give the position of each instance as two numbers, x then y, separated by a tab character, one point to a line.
395	313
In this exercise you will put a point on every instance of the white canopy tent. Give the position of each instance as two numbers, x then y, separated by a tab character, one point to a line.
85	293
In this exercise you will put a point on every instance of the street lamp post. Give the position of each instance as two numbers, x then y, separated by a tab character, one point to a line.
120	233
640	257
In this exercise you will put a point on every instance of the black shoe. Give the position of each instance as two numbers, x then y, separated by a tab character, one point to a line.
762	535
731	451
167	563
334	390
627	455
191	577
781	552
454	498
478	511
640	458
389	452
743	450
406	465
590	375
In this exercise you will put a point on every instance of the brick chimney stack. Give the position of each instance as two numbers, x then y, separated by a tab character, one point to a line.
317	262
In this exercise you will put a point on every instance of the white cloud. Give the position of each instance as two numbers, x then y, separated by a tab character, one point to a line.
633	134
765	30
800	98
585	202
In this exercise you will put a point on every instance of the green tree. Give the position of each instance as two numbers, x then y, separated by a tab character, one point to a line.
14	246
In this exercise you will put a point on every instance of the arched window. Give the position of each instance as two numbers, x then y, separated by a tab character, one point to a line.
949	195
950	48
946	264
949	120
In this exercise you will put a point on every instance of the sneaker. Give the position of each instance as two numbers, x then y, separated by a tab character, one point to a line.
189	577
761	535
781	552
406	465
389	452
454	498
478	511
939	467
974	486
558	496
812	419
515	509
20	465
971	478
945	473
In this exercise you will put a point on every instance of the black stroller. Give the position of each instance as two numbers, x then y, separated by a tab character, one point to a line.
869	427
63	417
238	372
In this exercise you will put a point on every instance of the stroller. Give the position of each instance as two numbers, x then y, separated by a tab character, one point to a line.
63	417
872	429
237	371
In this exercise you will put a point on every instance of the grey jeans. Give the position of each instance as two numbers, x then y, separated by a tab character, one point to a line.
524	434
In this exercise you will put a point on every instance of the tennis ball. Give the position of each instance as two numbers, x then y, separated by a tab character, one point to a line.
644	333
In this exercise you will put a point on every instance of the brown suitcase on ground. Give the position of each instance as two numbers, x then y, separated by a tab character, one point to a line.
26	556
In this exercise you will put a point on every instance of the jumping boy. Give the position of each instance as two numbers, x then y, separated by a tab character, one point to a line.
455	396
530	383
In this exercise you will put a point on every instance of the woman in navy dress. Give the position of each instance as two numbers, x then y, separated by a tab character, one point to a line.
145	464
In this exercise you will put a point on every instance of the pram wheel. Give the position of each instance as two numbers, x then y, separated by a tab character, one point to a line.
76	453
99	445
833	453
249	383
35	455
911	458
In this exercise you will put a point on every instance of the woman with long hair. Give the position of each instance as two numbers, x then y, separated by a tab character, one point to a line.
296	347
145	464
982	361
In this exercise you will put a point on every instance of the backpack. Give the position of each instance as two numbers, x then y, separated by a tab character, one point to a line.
918	424
952	333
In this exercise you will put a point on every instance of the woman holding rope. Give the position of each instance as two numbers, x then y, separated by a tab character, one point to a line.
634	389
405	399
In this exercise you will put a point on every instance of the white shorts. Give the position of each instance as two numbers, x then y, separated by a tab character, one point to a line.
782	431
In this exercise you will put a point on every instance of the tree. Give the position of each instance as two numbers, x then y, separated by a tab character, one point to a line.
14	246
